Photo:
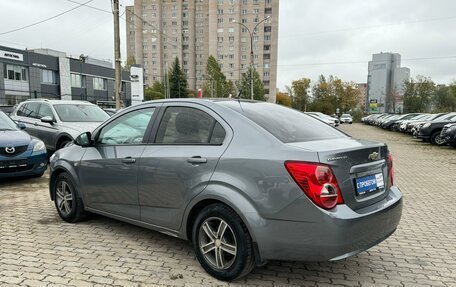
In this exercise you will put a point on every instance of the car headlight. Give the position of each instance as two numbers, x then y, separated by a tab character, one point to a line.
426	125
39	146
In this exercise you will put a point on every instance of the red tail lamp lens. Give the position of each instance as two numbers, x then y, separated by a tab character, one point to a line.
317	181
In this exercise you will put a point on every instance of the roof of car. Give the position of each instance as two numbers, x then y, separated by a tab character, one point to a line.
60	101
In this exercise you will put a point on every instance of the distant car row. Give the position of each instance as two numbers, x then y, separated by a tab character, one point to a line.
438	129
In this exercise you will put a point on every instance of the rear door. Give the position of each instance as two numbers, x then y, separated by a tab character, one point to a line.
28	114
45	131
188	143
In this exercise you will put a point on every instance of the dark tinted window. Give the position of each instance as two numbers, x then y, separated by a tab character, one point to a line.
29	110
183	125
286	124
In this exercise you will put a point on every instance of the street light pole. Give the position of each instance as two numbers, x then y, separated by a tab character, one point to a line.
251	34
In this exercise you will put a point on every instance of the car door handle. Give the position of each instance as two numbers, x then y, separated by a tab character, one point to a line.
128	160
196	160
35	123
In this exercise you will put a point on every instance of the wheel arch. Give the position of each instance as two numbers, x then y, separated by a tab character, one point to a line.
55	173
61	138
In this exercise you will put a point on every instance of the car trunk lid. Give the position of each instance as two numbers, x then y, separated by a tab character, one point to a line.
358	165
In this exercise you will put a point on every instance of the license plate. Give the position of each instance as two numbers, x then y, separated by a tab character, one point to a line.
368	184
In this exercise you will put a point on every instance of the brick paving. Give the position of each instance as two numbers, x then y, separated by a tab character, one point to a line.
39	249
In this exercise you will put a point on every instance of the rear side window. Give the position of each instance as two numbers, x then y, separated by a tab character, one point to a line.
285	124
29	110
185	125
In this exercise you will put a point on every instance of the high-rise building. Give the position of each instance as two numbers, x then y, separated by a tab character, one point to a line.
192	30
385	83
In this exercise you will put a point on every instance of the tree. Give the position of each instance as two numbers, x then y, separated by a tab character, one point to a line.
258	87
348	97
418	94
177	81
129	62
283	99
157	91
215	82
444	99
324	99
299	91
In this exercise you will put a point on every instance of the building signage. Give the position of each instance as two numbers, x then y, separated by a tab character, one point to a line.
39	65
373	105
11	55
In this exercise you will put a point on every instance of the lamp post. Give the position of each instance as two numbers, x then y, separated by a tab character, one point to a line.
251	33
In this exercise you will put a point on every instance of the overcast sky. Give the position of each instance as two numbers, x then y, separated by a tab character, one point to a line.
315	36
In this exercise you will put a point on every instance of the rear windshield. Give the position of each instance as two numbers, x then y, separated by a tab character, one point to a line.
80	113
285	124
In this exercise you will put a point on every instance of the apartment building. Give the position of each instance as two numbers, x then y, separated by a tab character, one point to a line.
158	31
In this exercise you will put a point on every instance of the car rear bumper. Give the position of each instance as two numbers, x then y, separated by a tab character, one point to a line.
36	165
335	235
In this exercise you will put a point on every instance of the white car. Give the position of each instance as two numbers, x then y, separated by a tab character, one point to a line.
346	118
325	118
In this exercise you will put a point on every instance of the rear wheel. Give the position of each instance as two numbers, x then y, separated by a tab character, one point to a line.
437	139
222	243
67	201
63	142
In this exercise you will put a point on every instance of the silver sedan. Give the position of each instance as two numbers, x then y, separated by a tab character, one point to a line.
246	182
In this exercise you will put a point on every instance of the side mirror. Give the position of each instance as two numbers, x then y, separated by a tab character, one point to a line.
84	139
47	119
21	126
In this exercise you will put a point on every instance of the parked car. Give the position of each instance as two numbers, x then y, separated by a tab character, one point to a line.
449	134
324	118
346	118
110	111
20	154
430	131
389	123
57	122
245	181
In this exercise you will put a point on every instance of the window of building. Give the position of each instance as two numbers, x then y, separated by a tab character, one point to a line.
231	30
99	84
267	10
243	21
48	77
14	72
244	11
77	80
256	11
267	37
267	28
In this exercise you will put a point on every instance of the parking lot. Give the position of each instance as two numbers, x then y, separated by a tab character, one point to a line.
39	249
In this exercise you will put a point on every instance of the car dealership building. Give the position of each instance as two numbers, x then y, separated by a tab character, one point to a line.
45	73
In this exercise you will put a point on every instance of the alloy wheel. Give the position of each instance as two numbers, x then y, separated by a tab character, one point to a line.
64	197
439	140
217	243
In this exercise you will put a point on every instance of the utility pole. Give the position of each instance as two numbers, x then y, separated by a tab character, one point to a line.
117	59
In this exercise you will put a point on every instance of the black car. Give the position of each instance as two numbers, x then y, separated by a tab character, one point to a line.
430	131
388	124
449	134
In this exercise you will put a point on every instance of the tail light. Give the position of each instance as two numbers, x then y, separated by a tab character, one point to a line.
389	161
317	181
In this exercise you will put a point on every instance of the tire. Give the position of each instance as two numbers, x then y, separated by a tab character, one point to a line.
436	139
237	257
67	201
452	144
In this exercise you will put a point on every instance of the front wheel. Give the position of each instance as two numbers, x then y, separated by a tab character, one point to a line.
67	201
222	243
437	139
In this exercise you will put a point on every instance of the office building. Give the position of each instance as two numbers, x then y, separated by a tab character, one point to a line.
50	74
192	30
385	83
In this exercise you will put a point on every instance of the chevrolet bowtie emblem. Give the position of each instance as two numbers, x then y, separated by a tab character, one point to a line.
373	156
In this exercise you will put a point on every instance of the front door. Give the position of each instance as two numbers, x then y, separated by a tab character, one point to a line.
108	172
180	162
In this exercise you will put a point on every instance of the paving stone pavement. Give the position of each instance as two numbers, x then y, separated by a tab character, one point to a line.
39	249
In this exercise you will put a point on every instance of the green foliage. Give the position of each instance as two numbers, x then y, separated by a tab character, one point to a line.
258	87
444	99
215	82
357	114
418	94
299	92
177	81
157	91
